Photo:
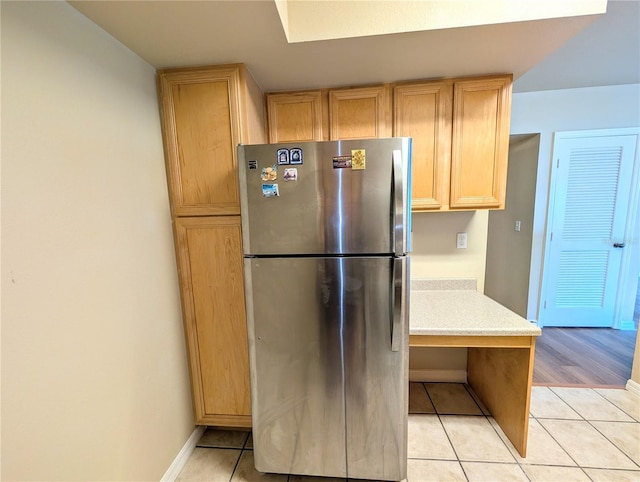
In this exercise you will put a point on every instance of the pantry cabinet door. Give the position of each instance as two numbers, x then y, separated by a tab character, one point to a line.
359	113
209	251
481	115
423	112
200	113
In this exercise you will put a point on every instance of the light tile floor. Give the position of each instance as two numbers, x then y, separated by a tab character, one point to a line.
575	434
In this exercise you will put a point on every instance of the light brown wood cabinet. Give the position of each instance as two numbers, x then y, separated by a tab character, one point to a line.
359	113
423	112
296	117
460	131
205	113
481	118
329	114
209	252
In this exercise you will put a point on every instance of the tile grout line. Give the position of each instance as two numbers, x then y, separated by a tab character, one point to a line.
567	404
242	450
555	440
497	430
520	464
444	430
473	396
615	405
611	441
426	392
582	467
589	422
486	417
235	467
482	411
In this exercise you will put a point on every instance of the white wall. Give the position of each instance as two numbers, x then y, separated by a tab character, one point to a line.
508	250
635	369
546	112
434	245
94	375
435	256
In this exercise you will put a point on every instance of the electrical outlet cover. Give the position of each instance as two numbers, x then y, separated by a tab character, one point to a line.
461	240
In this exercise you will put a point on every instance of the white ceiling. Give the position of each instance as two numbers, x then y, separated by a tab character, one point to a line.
607	52
544	54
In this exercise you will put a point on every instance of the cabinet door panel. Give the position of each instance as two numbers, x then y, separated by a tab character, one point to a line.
200	115
358	113
480	143
295	117
210	261
423	112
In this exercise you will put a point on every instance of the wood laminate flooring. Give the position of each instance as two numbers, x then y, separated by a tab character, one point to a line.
590	357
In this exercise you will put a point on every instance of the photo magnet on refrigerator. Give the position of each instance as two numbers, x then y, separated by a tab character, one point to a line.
270	173
290	174
270	190
295	155
358	159
342	162
283	156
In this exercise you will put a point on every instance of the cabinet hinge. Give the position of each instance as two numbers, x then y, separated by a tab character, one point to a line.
557	163
545	304
551	236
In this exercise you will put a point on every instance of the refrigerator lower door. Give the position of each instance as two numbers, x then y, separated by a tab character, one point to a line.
329	395
376	376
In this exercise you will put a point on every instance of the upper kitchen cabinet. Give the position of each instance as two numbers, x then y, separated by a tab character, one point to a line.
296	116
481	117
459	127
359	113
460	132
206	113
423	112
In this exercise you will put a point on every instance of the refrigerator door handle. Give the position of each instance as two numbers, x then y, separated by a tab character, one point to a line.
398	295
399	204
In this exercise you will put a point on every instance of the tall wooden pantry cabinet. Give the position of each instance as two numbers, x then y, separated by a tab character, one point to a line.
206	112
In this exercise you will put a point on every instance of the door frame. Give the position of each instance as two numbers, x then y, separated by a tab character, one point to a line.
630	263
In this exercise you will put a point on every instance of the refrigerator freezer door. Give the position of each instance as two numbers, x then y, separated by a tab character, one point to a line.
325	204
329	395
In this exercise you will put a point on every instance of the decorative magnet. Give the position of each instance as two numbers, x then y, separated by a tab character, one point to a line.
295	155
269	173
253	165
270	190
290	174
342	162
283	156
358	159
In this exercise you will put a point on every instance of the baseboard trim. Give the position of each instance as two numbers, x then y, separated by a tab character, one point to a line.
450	376
577	385
181	459
633	387
627	325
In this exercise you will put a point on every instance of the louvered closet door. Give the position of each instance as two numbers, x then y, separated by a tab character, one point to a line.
588	217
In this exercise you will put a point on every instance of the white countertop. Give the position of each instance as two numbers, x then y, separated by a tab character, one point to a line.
452	311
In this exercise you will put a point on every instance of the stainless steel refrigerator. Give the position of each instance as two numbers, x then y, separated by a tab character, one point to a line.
326	231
